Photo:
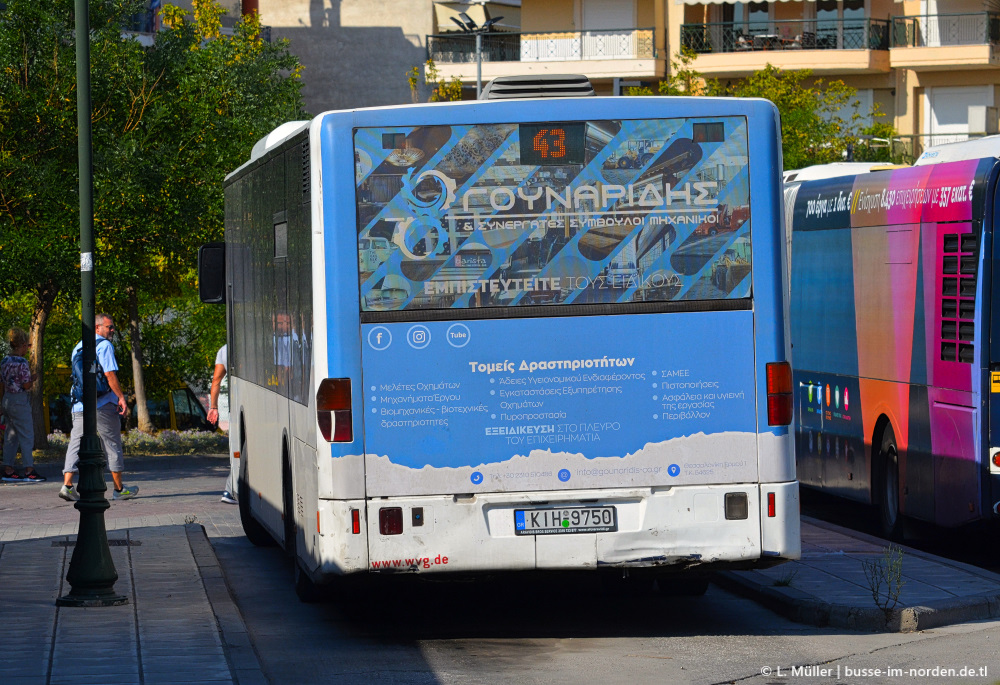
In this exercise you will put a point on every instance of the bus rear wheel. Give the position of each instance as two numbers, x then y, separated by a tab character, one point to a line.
255	532
887	484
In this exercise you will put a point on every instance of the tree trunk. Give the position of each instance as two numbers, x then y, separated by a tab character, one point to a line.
141	408
45	297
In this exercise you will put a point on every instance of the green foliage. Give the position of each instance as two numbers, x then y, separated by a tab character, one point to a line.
885	578
413	81
443	91
166	442
683	79
876	145
819	121
169	121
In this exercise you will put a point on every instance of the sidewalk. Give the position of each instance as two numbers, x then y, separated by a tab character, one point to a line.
828	587
180	624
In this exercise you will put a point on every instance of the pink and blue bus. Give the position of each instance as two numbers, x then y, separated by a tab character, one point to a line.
894	339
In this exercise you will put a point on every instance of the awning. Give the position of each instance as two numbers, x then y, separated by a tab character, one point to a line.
722	2
444	14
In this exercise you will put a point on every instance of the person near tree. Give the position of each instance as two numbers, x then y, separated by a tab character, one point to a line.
110	405
16	380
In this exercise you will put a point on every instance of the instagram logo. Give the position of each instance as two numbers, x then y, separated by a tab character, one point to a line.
418	337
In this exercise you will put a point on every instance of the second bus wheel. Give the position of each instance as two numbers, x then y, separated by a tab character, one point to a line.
255	532
886	482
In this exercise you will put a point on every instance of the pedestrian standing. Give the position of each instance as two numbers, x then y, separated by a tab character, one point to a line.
110	405
218	408
16	380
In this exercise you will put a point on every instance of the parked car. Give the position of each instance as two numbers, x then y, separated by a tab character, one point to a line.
181	410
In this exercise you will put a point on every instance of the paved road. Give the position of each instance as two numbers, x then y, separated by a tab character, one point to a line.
524	628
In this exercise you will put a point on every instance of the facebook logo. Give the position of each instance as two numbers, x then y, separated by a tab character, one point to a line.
379	338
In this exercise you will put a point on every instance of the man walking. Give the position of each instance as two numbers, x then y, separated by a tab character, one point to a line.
110	404
218	399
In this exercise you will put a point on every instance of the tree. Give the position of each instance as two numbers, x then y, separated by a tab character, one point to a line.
441	91
203	100
682	80
819	122
39	208
169	122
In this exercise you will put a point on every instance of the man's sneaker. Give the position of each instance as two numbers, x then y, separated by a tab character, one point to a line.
127	492
69	493
12	477
35	477
228	498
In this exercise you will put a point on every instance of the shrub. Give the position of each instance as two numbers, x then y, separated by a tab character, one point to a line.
166	442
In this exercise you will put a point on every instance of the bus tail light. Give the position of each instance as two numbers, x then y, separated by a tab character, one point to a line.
390	520
770	505
779	394
355	521
333	410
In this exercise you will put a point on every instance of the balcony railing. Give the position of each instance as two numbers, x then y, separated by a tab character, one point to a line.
936	30
904	149
814	34
551	46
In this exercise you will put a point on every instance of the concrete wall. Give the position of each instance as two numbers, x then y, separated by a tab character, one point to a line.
356	53
551	15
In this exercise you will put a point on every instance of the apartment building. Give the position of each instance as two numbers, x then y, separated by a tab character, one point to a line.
355	53
931	65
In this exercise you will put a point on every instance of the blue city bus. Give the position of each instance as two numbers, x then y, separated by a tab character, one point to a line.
431	370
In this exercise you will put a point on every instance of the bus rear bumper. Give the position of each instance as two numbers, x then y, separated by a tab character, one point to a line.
676	529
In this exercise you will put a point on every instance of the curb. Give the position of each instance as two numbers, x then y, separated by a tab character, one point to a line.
243	662
801	607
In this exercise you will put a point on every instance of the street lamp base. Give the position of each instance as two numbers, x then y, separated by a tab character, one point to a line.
81	600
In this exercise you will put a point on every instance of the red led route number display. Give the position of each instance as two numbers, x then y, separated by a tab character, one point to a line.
555	143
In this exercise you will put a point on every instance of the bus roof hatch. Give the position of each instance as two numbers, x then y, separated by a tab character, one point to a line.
539	86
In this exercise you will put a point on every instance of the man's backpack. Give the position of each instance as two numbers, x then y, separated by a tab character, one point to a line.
76	394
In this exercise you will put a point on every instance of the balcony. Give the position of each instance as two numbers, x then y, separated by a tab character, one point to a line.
849	45
611	53
945	41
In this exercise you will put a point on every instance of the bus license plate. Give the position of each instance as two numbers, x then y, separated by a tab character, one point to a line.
562	521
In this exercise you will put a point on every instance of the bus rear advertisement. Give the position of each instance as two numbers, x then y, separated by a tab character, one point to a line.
462	376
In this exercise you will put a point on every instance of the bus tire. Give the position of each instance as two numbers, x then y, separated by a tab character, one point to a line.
255	532
887	484
287	502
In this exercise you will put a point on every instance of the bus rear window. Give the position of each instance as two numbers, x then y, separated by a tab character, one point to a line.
552	214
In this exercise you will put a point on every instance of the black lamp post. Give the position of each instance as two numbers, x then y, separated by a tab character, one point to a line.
92	572
471	27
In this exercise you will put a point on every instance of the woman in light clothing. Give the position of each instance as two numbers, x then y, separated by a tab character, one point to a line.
16	380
